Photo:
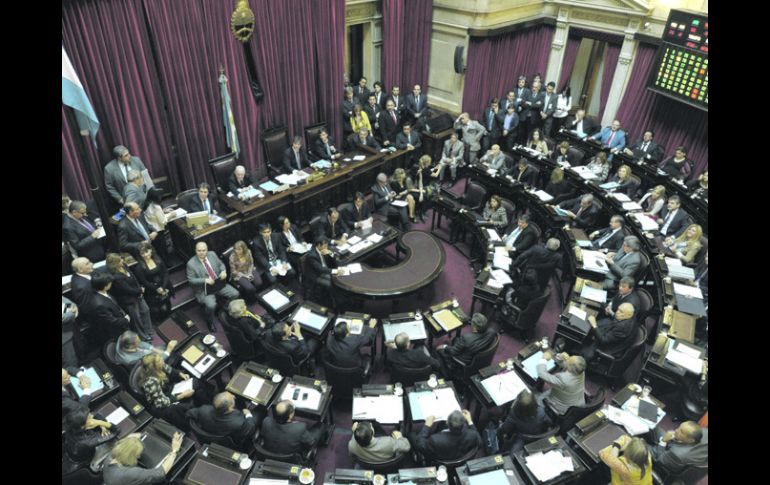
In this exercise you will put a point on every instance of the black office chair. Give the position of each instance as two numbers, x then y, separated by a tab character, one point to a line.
275	141
451	465
524	321
510	209
343	379
575	413
135	379
204	437
222	168
474	196
240	348
119	370
385	467
638	184
641	272
531	438
82	476
409	375
480	360
645	311
312	133
183	199
704	242
577	154
691	475
613	368
284	362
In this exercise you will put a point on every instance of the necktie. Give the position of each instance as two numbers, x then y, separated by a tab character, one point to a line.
270	252
644	147
605	238
125	172
206	205
328	150
86	224
409	138
670	216
333	231
580	211
209	269
248	313
514	235
296	156
323	263
417	102
393	115
141	229
609	140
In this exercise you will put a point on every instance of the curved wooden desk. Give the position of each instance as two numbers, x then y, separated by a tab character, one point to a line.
423	263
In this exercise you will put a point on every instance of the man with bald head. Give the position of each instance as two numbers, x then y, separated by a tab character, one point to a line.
239	181
612	335
383	196
283	435
567	386
207	276
224	419
80	284
494	158
688	445
403	354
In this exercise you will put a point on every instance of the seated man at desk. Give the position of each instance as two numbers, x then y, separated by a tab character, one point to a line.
207	276
376	449
468	344
525	174
609	238
403	354
494	158
645	149
673	219
130	349
333	227
582	211
288	339
540	259
319	264
626	294
270	256
521	238
567	387
294	157
281	434
203	202
383	196
686	446
612	136
224	419
409	141
363	139
122	468
458	441
343	348
133	230
69	398
357	212
612	336
239	181
581	124
324	147
452	157
526	416
625	262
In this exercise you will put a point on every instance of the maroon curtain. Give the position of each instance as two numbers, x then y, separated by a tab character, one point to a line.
330	50
109	47
73	180
494	64
418	23
392	43
610	63
570	55
674	123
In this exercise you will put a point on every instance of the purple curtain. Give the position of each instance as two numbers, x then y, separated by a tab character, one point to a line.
109	47
673	122
330	50
494	63
610	63
417	26
570	55
73	181
392	43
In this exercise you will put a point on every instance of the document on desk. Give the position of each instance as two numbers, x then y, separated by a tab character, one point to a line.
501	250
530	364
594	261
100	233
268	186
647	222
276	299
501	276
357	248
386	409
189	368
687	291
415	329
182	386
253	387
65	280
584	243
354	268
117	416
599	296
439	403
578	312
493	236
500	261
543	195
680	272
366	224
692	364
299	248
496	477
503	388
609	185
268	481
374	238
559	211
399	203
343	247
632	206
307	398
358	158
620	197
632	423
96	383
584	172
354	240
307	317
447	319
546	466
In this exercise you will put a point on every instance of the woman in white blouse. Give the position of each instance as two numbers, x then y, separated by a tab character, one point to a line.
563	105
653	201
600	167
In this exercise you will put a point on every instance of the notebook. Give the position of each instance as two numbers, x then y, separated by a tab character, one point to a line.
648	411
192	354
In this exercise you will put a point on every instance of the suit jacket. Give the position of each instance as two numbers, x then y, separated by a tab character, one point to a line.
674	170
372	112
615	336
350	215
496	122
541	260
381	448
125	289
347	112
196	204
81	291
70	403
115	178
233	185
567	389
504	103
313	267
402	140
537	100
319	149
497	163
625	264
292	437
526	239
678	224
81	240
632	298
132	193
197	274
550	106
470	344
324	228
589	125
261	254
294	347
472	133
361	94
587	218
675	457
618	141
522	95
411	105
413	358
513	426
356	142
290	161
108	316
653	154
347	351
285	240
388	128
455	153
234	424
614	243
529	177
249	327
556	155
381	201
629	187
129	237
400	102
446	445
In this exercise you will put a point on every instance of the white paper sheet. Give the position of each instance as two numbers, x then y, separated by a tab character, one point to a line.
307	317
117	416
254	386
593	294
186	365
312	402
690	363
268	481
503	388
594	261
632	206
632	423
492	235
399	203
182	386
374	238
354	240
501	276
386	409
673	262
620	197
276	299
543	195
358	158
688	291
500	261
354	268
648	223
366	223
439	403
415	329
546	466
581	314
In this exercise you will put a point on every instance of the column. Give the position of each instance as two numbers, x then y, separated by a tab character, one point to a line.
556	56
622	73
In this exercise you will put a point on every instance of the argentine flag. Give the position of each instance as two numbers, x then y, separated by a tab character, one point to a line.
227	114
74	96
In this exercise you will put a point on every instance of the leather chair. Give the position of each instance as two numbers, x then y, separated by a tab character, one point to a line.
474	196
613	368
385	467
204	437
638	182
312	133
343	379
222	168
451	465
704	242
480	360
575	413
641	271
240	348
577	154
306	459
691	475
284	362
121	371
275	141
645	311
135	379
409	375
525	320
531	438
183	198
550	143
82	476
510	209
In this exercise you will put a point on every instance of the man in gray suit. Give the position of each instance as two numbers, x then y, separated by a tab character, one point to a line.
494	158
133	191
686	446
451	156
207	276
117	170
623	263
473	131
567	388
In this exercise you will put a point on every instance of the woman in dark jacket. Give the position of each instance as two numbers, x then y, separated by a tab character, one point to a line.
152	274
128	293
84	434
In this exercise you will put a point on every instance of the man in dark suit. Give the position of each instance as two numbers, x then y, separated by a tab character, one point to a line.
458	441
203	202
81	234
364	139
582	211
626	294
508	100
324	147
549	107
625	262
69	398
270	256
133	230
610	238
383	195
390	120
467	345
612	336
399	101
103	311
645	149
673	219
223	419
493	122
355	213
319	264
361	92
534	104
581	124
522	95
510	126
333	227
343	348
417	107
525	174
80	284
239	181
373	110
402	354
294	157
562	154
521	238
686	446
288	339
410	141
380	96
542	260
117	170
282	435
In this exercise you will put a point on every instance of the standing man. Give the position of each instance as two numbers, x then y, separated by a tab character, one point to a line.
398	101
133	191
523	94
207	276
535	104
361	91
417	107
549	107
133	230
510	126
116	173
492	122
373	110
472	133
81	233
389	123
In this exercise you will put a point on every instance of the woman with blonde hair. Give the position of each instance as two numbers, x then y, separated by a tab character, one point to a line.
687	246
537	142
653	201
418	183
123	468
399	186
242	272
629	461
359	119
599	166
129	294
627	185
157	382
557	187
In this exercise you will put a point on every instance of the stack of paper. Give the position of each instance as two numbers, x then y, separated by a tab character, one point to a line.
275	299
366	224
584	172
593	294
96	383
684	359
632	206
358	158
594	261
687	291
354	268
501	250
531	362
504	388
399	203
288	178
438	403
343	247
546	466
447	319
268	186
117	416
253	387
543	195
307	398
633	424
354	240
415	329
361	246
306	317
647	222
374	238
492	235
620	197
610	185
251	192
501	276
385	409
182	386
500	261
578	312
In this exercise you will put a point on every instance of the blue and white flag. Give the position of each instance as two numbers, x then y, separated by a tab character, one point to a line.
74	96
227	114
